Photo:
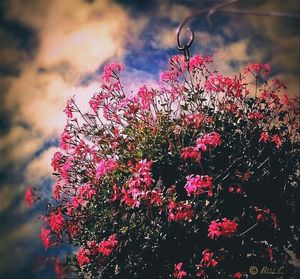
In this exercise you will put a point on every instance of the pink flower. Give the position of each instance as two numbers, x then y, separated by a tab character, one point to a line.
264	137
141	178
56	161
190	152
207	259
214	230
28	196
76	202
178	272
217	83
56	190
156	197
129	199
236	189
255	115
197	185
65	140
237	275
170	76
86	191
179	211
286	100
58	268
73	229
44	235
110	71
270	253
277	140
264	214
69	108
197	61
228	227
115	193
195	119
178	62
97	100
105	166
210	140
82	256
224	228
146	97
258	69
56	221
106	246
65	169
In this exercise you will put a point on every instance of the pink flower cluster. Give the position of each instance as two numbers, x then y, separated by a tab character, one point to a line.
56	221
105	166
85	193
28	196
196	119
198	62
83	256
56	190
255	115
180	211
265	137
258	69
105	248
97	100
208	260
69	108
224	228
146	97
65	140
110	71
209	140
190	152
265	214
142	177
45	237
203	143
198	185
178	271
139	185
217	83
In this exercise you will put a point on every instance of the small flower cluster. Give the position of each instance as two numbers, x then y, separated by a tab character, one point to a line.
198	184
105	248
224	228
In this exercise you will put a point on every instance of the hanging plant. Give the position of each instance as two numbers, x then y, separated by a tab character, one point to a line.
196	177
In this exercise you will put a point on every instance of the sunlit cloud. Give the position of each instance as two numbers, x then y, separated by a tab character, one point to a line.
71	45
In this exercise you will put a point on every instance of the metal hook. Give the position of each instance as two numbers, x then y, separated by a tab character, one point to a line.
210	11
219	8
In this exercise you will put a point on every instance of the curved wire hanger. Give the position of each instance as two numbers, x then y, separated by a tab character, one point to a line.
220	7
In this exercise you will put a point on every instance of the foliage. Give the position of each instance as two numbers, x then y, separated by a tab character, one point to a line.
195	177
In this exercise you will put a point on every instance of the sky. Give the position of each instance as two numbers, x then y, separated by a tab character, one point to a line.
52	50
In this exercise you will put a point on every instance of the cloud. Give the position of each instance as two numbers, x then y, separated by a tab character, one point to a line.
72	42
18	144
7	195
40	167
